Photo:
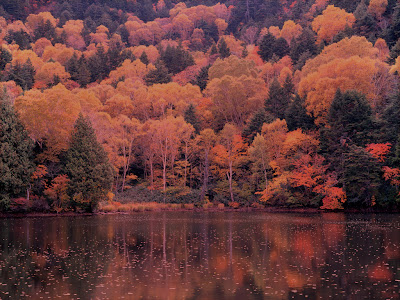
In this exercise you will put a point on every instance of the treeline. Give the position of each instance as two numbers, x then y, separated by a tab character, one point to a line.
295	103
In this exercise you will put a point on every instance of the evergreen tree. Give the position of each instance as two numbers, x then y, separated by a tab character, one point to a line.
296	115
23	75
16	147
20	37
202	78
394	30
350	115
361	176
87	167
98	65
305	43
158	75
5	58
45	30
176	59
72	67
267	45
350	127
255	124
391	117
365	24
144	59
278	99
394	53
223	49
190	117
213	50
281	47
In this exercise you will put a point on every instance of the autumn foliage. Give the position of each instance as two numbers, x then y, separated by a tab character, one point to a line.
218	102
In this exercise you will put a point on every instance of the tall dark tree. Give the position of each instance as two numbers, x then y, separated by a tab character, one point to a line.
361	176
350	115
255	124
296	115
176	59
190	117
87	167
21	38
5	58
267	45
202	78
45	30
350	127
393	33
391	117
23	75
281	47
16	158
144	59
158	75
278	99
223	49
305	43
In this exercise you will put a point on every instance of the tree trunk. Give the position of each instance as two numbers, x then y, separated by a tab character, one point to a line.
205	180
230	180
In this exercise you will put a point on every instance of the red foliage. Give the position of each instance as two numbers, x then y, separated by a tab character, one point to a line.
379	151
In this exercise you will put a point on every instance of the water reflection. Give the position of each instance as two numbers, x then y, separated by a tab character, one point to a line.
189	255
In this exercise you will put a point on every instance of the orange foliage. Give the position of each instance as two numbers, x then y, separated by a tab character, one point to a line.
380	272
33	21
47	73
290	30
379	151
331	22
377	8
57	192
350	64
40	45
392	175
73	29
59	52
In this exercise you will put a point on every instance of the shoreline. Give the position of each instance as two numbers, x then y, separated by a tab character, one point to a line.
197	209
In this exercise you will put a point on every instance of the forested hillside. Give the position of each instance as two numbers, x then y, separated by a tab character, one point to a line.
242	102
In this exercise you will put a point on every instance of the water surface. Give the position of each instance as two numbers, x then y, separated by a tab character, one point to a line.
200	255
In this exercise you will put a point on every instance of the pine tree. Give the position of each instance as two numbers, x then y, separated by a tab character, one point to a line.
87	167
45	30
191	117
144	59
223	49
23	75
296	115
361	176
213	50
16	147
158	75
278	99
255	124
202	77
5	58
267	47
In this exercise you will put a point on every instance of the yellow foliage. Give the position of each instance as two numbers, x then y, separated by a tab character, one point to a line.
331	22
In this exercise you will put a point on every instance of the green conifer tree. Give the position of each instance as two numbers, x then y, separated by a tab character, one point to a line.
87	167
144	59
16	147
223	49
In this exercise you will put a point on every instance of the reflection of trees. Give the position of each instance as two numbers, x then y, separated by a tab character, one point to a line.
198	255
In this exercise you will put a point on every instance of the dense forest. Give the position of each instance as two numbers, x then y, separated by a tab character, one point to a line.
241	102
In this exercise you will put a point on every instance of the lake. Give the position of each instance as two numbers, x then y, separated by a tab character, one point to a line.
201	255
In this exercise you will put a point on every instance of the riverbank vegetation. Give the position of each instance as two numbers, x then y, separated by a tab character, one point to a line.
238	103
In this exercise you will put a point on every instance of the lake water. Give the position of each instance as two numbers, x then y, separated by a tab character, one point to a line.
200	255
